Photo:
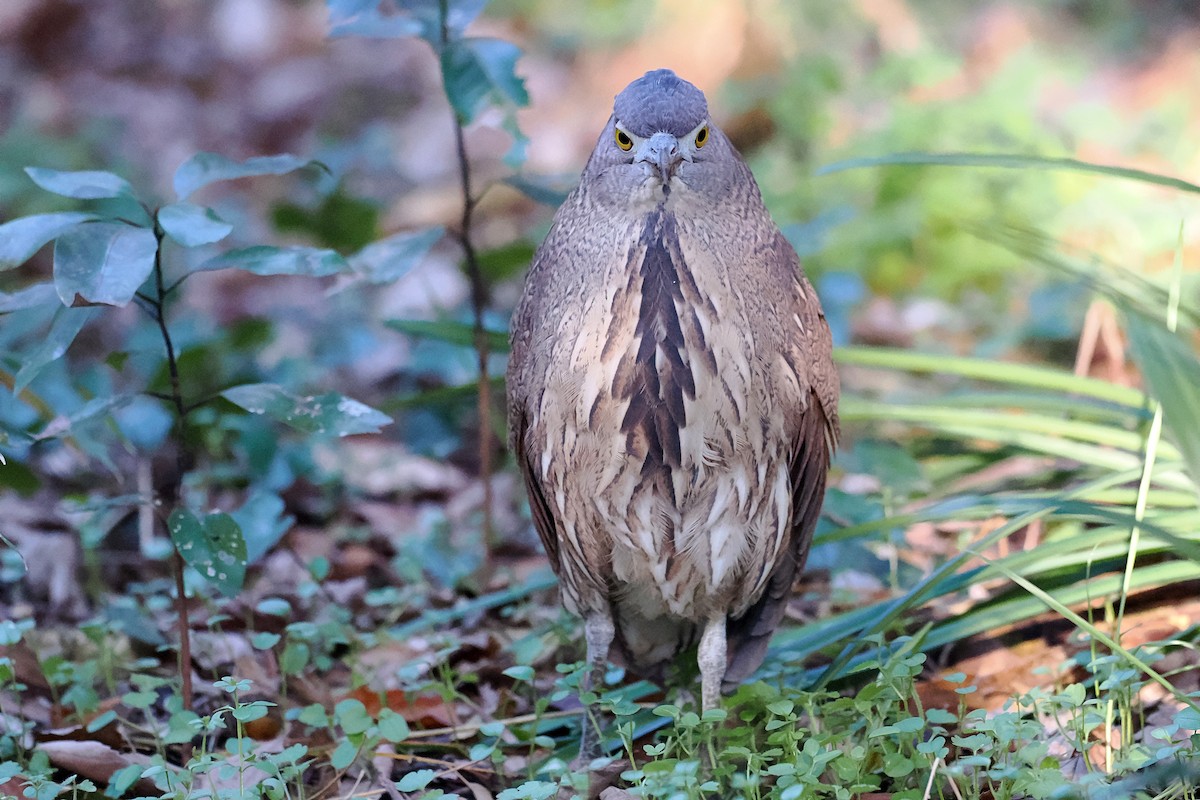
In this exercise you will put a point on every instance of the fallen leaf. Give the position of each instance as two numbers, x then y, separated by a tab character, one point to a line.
94	760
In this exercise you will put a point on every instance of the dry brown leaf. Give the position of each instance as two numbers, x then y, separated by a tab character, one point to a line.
478	791
1002	672
94	760
427	710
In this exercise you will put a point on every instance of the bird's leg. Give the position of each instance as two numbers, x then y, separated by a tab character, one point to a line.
711	658
598	631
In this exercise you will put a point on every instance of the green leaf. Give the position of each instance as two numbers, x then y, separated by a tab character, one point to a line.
340	221
530	790
479	71
264	640
251	712
103	263
92	409
213	546
343	755
1188	718
294	658
83	185
204	168
67	324
352	715
24	236
330	413
392	726
460	333
123	780
1007	161
10	633
266	260
520	672
192	225
507	262
105	719
39	294
416	780
392	258
1173	376
262	521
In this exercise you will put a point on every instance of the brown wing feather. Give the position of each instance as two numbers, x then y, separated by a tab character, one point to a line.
749	634
543	517
817	435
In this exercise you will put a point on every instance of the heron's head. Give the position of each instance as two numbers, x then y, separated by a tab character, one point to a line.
659	131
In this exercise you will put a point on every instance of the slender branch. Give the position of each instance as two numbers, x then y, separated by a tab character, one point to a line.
478	303
170	289
175	397
203	401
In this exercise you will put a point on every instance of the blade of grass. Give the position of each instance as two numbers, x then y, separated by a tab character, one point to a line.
984	369
942	415
1099	636
1008	161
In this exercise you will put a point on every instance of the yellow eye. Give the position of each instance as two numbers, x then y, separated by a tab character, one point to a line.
702	136
623	140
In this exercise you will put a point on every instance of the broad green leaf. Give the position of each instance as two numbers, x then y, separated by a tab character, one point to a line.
24	236
1189	718
103	263
460	333
123	779
83	185
1173	374
416	780
145	422
1008	161
343	755
479	71
507	262
262	521
392	258
204	168
93	409
352	715
330	413
530	790
213	546
392	726
266	260
68	322
192	225
10	633
39	294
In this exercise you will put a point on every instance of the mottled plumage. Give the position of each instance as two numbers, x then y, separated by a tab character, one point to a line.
672	400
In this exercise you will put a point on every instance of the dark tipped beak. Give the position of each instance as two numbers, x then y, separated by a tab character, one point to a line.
662	151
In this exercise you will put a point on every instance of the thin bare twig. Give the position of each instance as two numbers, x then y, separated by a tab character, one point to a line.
478	303
175	490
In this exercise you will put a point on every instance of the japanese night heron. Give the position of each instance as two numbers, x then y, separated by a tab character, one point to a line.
672	398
